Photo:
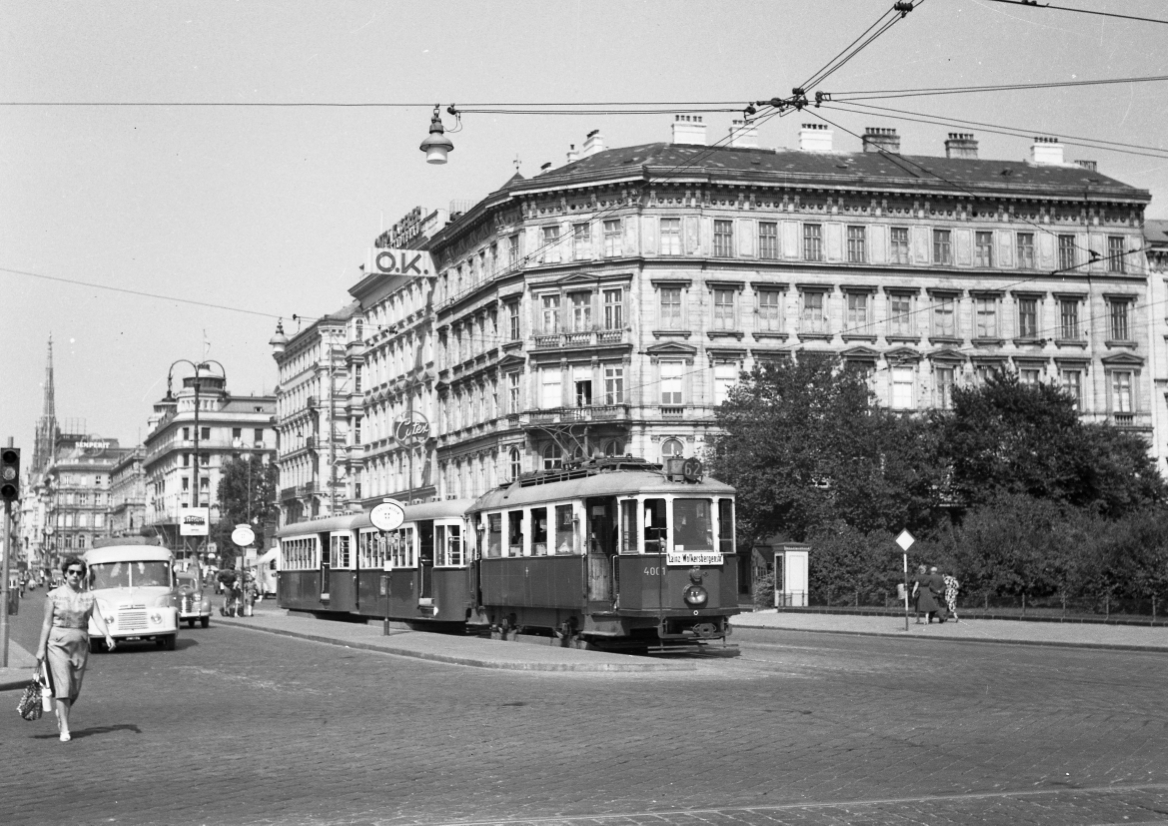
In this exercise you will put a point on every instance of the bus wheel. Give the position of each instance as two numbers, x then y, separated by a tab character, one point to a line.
167	642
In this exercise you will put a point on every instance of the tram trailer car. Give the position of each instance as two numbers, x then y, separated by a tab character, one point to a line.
607	553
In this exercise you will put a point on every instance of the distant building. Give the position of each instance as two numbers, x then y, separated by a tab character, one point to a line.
76	490
127	495
192	435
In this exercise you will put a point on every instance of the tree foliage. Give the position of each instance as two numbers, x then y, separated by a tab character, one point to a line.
807	449
247	495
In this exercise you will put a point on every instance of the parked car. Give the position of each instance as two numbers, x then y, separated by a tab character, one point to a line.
193	605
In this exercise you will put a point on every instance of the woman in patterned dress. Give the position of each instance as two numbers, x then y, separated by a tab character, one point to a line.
65	639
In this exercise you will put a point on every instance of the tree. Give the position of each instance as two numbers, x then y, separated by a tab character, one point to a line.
808	449
1005	437
247	494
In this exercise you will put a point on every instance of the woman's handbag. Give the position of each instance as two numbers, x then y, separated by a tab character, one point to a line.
30	702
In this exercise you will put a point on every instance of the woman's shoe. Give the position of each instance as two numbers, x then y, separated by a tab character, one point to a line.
65	737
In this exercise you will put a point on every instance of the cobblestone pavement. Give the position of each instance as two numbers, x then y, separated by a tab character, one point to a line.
246	728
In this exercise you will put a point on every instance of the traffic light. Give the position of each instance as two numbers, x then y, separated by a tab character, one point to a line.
10	473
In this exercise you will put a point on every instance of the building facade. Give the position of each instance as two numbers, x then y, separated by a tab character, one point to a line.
126	513
75	491
192	434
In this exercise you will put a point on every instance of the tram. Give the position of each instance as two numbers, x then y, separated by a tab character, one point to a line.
607	553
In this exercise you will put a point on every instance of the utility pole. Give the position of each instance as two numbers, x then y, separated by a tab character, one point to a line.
5	593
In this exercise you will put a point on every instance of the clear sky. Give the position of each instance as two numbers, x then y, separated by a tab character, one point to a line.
266	212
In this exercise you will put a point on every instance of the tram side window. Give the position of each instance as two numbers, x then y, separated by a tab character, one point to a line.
565	530
339	552
539	531
494	534
726	525
408	552
655	537
693	525
628	542
515	533
453	549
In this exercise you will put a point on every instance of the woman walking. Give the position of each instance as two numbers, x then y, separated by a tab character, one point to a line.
65	639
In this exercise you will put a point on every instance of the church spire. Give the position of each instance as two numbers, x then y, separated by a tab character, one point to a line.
46	429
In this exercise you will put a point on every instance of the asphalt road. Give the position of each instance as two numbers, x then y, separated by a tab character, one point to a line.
242	727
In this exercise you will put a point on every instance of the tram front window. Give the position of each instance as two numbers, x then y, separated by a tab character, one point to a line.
539	531
693	525
655	530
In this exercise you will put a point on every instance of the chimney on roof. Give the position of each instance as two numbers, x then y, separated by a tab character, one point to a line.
1092	165
960	145
545	167
572	153
689	129
1046	152
593	143
743	134
881	139
815	137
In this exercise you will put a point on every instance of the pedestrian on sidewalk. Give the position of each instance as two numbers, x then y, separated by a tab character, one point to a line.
952	586
937	591
920	584
65	639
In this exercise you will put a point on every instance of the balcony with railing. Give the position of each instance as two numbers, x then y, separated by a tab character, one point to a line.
589	339
588	413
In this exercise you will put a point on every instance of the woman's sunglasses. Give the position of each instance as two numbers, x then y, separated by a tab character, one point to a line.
75	571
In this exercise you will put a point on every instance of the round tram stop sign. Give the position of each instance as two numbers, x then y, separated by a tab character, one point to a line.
243	535
388	516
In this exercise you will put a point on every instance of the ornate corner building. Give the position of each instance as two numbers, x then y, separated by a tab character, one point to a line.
608	306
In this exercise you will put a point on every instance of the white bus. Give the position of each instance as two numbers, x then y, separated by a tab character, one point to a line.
133	582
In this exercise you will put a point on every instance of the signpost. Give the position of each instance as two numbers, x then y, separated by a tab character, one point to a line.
388	516
905	541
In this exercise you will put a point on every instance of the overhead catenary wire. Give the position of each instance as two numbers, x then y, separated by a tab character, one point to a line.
1033	4
883	94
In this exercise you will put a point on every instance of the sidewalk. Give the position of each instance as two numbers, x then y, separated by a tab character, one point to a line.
1075	634
19	670
523	655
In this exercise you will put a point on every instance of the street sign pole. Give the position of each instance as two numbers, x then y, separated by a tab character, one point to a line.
6	593
905	541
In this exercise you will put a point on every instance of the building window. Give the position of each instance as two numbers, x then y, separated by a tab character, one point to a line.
942	247
551	314
357	432
768	240
614	384
858	309
614	309
513	393
944	316
553	457
513	250
671	448
900	245
1121	392
551	244
551	396
1072	384
186	431
205	459
581	305
984	249
236	433
1025	250
186	483
186	460
900	314
857	245
1028	318
513	320
985	310
582	383
1066	252
814	319
903	379
613	447
944	388
723	239
671	308
1116	261
1069	319
770	316
1029	376
516	463
671	382
813	242
671	236
612	238
581	242
358	377
725	377
724	310
1120	316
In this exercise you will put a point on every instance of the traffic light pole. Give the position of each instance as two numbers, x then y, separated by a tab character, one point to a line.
4	591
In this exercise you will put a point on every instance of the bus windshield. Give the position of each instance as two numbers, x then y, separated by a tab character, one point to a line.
135	574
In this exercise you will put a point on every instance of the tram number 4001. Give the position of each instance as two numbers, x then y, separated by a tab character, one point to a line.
655	571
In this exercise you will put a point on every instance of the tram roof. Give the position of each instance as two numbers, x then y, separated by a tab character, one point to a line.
354	521
614	482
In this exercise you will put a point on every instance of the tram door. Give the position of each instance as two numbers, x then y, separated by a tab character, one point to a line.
426	560
601	544
325	543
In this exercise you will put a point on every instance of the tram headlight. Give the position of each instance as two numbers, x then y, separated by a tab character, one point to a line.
695	596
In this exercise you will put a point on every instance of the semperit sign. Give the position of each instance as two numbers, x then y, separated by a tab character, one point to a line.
413	430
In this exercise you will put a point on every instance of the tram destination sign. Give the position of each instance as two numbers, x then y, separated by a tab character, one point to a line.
693	558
